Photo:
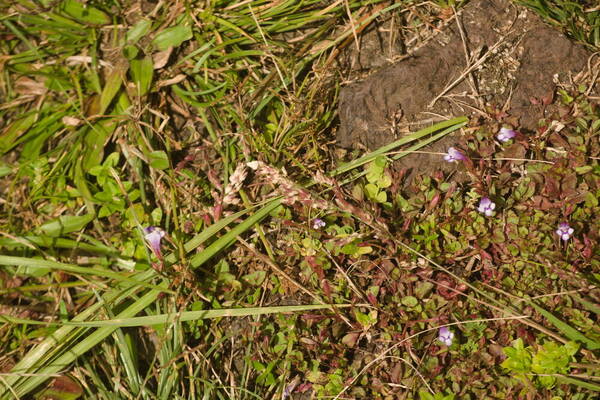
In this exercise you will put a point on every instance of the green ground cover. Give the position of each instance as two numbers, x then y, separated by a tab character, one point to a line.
284	271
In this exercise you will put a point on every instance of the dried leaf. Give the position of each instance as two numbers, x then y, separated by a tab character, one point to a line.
161	58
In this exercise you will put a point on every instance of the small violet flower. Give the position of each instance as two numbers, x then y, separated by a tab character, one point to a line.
287	391
318	223
564	231
454	155
506	134
446	336
153	235
486	206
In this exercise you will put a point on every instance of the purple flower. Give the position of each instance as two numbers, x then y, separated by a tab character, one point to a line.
454	155
486	206
446	336
506	134
318	223
564	231
153	235
287	391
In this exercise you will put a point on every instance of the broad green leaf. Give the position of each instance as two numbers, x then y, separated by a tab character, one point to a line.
381	197
409	301
363	250
373	175
112	160
66	224
385	181
380	162
172	37
141	72
423	289
372	191
95	140
366	320
5	169
525	190
591	200
158	160
255	278
518	358
584	170
425	395
553	358
138	31
85	13
130	52
111	88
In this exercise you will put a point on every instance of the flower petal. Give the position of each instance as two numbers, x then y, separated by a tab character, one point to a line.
454	155
153	236
506	134
318	223
446	336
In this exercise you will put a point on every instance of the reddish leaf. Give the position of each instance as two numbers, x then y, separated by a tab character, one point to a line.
372	299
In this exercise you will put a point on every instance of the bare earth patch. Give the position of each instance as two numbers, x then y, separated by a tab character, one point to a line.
495	61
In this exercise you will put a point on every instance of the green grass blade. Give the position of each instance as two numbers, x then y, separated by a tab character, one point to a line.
230	237
9	137
183	316
449	126
56	351
54	343
92	339
595	308
207	233
415	147
124	343
580	383
566	329
59	243
35	263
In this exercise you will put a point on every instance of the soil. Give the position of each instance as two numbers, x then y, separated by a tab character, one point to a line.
522	61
